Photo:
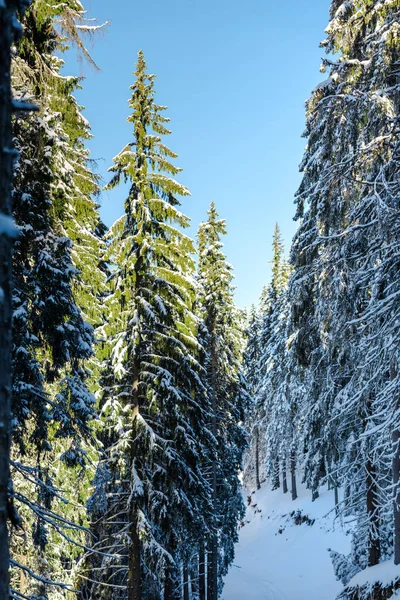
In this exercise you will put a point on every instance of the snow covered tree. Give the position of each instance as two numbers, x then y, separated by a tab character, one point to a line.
271	369
9	31
154	403
255	455
52	406
346	269
253	458
258	352
229	398
280	267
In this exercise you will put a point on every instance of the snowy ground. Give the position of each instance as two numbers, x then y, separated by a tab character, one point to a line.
278	560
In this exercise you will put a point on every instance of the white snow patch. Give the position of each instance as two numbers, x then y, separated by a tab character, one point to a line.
8	227
385	573
278	560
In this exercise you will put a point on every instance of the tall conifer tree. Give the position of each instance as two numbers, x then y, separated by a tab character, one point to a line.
9	31
227	391
154	402
52	405
346	269
254	457
272	392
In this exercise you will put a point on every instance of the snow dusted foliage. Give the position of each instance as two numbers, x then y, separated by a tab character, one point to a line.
345	286
254	455
272	428
223	343
151	497
254	470
280	410
52	403
10	32
262	360
344	569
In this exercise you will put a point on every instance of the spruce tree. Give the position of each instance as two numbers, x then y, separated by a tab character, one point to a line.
9	31
273	390
229	398
53	405
154	403
257	360
345	280
253	458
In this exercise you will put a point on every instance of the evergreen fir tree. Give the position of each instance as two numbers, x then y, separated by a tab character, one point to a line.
9	31
154	403
254	457
52	405
258	355
342	304
229	398
273	393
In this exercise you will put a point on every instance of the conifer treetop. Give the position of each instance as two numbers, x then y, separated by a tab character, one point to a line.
214	270
280	267
146	160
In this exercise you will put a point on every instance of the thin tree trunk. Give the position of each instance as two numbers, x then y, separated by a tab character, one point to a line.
194	582
134	561
172	591
168	586
173	574
374	546
7	233
293	474
336	490
202	572
212	572
212	547
134	571
185	583
396	478
258	459
396	494
276	483
284	477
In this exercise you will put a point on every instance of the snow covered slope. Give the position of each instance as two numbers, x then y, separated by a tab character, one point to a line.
279	560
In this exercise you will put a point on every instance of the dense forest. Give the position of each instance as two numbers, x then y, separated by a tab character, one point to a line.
134	395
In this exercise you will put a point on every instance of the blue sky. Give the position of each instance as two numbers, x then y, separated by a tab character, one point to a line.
235	76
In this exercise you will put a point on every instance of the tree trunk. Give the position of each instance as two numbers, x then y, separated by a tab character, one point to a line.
134	561
202	572
173	574
336	490
168	586
396	494
284	477
315	495
396	478
276	483
7	233
134	570
258	459
293	474
374	546
212	546
185	583
172	591
212	569
194	582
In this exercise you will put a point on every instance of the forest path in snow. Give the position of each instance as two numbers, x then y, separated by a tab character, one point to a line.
256	586
279	560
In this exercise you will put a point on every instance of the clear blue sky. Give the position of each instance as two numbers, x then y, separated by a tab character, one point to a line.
235	76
